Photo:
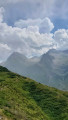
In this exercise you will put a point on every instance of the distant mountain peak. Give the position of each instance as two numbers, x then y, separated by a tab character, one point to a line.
52	51
65	51
17	55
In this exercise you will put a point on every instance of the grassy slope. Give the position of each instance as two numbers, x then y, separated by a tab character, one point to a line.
24	99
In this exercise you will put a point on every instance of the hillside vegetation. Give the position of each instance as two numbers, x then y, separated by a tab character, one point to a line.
24	99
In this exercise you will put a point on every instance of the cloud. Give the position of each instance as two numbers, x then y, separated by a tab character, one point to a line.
61	38
30	37
28	22
61	9
31	9
27	40
5	2
44	25
1	14
4	51
34	29
25	9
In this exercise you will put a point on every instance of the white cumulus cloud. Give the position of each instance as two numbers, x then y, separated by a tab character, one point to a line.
45	25
61	38
30	37
26	40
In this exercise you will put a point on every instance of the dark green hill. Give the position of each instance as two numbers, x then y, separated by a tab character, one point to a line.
24	99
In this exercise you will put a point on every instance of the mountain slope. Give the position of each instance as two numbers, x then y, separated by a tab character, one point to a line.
24	99
50	69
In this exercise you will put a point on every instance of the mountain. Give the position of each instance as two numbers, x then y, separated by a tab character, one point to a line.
24	99
50	68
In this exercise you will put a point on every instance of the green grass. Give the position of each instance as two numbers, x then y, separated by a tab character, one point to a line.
24	99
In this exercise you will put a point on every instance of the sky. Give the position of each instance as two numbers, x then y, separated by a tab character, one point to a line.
32	27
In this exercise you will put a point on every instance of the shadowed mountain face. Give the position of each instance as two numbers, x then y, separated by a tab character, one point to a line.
50	69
